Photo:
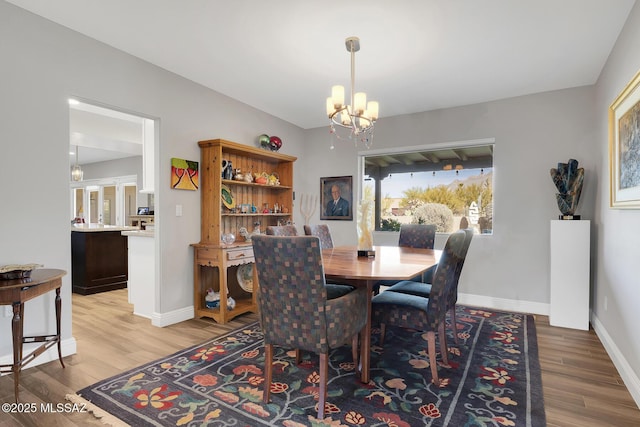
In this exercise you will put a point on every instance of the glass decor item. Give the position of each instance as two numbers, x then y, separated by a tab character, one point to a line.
365	228
228	238
568	179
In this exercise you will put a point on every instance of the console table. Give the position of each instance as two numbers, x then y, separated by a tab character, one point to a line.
15	292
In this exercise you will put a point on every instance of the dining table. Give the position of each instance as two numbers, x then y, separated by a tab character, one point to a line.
343	265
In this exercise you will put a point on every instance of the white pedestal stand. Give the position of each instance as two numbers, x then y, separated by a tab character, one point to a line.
570	268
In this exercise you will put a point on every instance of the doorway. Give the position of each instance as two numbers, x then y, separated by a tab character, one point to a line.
115	151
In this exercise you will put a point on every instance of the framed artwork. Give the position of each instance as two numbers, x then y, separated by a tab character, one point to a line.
336	198
624	147
184	174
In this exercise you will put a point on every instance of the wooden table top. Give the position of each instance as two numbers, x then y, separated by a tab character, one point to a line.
390	262
38	276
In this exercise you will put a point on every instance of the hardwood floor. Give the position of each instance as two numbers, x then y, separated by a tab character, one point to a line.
581	385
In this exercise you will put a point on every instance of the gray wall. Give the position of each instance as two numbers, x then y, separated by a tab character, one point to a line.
46	63
617	270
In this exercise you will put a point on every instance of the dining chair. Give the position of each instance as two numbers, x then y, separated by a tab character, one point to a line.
322	231
424	314
282	230
424	289
295	311
421	236
417	236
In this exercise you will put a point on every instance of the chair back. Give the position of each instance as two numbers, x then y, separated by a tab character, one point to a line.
417	236
453	296
292	291
282	230
322	232
465	248
445	277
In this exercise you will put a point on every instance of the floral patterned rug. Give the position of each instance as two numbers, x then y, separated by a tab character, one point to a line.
494	380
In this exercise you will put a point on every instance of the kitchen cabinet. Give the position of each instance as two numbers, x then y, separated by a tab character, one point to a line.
99	260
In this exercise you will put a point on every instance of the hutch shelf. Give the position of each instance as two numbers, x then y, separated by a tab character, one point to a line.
222	267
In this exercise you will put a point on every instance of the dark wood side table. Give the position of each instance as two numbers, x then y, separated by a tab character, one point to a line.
16	292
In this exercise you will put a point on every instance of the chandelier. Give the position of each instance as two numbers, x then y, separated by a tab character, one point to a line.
359	116
76	170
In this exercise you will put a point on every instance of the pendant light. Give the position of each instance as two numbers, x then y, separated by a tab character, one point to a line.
76	170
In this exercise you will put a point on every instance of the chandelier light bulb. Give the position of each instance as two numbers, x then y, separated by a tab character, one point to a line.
359	102
337	94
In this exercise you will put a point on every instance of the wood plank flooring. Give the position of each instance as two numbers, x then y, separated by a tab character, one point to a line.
581	385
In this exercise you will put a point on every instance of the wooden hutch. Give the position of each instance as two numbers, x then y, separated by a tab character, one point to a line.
217	263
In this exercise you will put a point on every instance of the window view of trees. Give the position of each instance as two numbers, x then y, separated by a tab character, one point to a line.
453	198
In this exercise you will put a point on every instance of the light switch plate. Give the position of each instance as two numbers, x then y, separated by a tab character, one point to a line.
178	210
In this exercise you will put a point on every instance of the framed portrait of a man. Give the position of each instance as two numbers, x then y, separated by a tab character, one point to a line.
336	198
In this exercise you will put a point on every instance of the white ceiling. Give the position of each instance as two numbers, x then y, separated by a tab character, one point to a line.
102	134
283	56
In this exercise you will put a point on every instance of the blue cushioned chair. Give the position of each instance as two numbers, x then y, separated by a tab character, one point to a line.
295	310
323	233
421	236
417	236
424	314
282	230
424	289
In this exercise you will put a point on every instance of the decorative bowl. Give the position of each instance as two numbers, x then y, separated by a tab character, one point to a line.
17	271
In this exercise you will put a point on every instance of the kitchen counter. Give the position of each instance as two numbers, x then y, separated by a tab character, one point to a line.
141	283
101	227
138	233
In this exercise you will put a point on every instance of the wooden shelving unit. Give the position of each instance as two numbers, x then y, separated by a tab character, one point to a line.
215	263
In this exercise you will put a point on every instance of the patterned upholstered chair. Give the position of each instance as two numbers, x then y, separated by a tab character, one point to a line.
424	314
294	309
413	236
322	231
282	230
424	289
417	236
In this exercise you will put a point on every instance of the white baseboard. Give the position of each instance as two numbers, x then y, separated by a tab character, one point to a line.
68	347
629	377
172	317
504	304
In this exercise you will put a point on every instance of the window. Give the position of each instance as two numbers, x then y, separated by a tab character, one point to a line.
447	185
108	201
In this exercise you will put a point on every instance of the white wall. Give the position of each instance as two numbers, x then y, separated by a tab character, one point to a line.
43	65
617	269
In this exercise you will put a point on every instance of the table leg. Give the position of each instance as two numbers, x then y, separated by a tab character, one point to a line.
58	314
16	331
365	337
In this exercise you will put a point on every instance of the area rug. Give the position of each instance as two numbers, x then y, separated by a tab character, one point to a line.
493	380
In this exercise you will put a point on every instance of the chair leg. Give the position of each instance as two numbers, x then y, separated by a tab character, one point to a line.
354	353
383	329
444	349
268	371
431	346
322	396
454	325
298	356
